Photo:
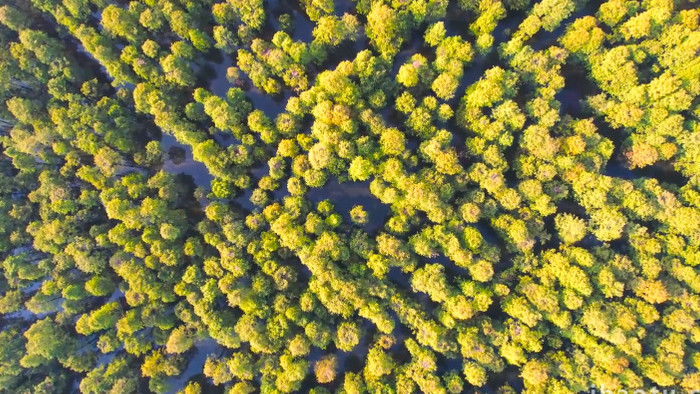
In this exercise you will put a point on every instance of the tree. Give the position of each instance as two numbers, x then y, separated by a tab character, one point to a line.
100	319
158	364
360	169
385	29
453	382
121	23
552	12
325	369
177	70
392	141
11	352
46	341
13	18
571	229
331	30
11	302
435	33
191	388
379	363
535	373
445	86
607	224
359	215
180	340
347	336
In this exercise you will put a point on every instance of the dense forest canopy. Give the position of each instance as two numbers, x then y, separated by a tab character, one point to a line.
352	196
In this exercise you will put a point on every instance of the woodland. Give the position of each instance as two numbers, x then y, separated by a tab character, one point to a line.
351	196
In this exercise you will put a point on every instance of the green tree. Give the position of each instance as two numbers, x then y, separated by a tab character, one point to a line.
385	29
325	369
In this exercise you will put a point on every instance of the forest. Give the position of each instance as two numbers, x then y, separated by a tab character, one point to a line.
349	196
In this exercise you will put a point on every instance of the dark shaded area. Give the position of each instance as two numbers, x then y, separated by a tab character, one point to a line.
302	27
184	163
543	39
270	105
662	171
213	76
195	366
577	87
348	194
244	199
617	166
177	155
510	375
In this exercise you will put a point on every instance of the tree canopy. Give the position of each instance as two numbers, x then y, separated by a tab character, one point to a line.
352	196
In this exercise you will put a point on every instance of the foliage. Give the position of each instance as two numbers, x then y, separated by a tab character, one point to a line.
516	197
